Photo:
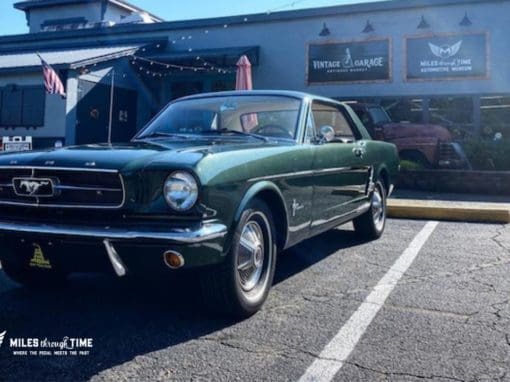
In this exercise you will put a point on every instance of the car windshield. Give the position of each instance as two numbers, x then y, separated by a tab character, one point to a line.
379	115
243	116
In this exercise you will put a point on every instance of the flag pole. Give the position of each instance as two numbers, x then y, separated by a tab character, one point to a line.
110	121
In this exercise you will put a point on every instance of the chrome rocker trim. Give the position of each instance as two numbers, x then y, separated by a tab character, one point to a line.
208	231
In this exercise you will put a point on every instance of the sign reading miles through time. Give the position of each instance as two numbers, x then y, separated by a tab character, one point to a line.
447	57
356	61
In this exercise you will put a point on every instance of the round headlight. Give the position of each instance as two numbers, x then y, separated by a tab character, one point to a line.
181	191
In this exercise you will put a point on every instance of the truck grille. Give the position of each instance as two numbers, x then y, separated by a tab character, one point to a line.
61	187
448	152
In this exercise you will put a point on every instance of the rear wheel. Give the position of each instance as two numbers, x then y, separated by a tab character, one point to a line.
240	284
371	224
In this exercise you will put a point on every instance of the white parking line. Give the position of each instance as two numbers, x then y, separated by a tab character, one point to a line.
338	350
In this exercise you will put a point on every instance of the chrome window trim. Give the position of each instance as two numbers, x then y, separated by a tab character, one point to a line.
66	206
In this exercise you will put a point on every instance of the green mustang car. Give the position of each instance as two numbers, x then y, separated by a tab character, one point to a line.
219	183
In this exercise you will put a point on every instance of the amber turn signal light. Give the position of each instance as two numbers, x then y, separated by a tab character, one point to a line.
173	260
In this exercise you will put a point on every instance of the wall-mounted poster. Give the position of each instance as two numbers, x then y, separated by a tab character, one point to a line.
455	56
355	61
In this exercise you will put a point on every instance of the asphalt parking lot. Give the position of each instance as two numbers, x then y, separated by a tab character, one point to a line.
447	318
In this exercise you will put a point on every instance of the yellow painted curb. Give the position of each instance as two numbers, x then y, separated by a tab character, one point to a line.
455	211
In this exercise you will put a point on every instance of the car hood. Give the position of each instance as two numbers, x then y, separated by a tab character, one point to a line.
408	130
129	156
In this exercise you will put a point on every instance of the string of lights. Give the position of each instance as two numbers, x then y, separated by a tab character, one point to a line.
158	69
153	68
285	6
204	66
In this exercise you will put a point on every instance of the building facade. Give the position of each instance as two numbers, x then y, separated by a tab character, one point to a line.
440	61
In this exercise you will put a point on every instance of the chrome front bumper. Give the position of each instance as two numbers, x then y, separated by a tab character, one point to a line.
205	232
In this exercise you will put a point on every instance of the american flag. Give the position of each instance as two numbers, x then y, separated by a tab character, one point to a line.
52	81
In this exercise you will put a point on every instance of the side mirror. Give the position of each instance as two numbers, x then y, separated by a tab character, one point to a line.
327	133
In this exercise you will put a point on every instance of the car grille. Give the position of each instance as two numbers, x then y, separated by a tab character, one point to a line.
70	188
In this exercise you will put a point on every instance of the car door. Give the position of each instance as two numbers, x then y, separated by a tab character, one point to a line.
341	173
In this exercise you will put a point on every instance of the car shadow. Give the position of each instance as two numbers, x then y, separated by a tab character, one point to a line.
312	251
125	318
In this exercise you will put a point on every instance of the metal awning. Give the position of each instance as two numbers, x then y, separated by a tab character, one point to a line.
67	59
225	57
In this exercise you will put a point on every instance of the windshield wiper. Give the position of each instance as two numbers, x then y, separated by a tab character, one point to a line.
235	132
160	134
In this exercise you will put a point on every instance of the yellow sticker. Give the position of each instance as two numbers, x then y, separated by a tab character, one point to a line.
38	260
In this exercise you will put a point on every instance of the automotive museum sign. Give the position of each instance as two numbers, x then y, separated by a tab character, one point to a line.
355	61
454	56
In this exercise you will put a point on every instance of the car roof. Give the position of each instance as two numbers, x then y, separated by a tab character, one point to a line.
284	93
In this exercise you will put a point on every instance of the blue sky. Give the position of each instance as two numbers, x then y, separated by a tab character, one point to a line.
13	21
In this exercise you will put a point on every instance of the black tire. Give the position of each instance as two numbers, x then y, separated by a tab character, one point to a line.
236	287
371	224
32	277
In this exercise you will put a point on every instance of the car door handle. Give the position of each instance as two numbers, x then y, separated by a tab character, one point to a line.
359	152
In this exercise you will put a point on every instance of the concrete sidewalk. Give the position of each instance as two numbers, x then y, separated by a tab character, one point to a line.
454	207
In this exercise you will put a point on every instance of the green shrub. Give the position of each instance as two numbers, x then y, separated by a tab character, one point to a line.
488	155
409	165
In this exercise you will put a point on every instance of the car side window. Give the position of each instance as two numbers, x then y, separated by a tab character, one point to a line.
332	115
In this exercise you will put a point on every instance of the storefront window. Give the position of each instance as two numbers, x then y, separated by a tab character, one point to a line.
495	117
223	85
404	109
454	113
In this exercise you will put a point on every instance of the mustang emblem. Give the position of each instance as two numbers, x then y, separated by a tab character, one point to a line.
33	187
445	51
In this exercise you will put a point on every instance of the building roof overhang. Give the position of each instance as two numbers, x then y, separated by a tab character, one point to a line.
28	61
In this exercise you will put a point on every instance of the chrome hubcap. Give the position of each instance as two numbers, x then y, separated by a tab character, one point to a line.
251	255
378	211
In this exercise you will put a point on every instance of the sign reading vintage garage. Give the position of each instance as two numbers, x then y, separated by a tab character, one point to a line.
447	57
356	61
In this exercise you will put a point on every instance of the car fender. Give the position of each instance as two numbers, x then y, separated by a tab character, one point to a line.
251	193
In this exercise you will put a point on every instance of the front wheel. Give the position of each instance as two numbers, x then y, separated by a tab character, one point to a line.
240	284
371	224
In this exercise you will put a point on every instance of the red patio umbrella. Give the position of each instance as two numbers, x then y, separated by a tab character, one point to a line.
244	82
243	77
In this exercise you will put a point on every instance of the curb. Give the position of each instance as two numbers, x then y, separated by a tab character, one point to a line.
454	211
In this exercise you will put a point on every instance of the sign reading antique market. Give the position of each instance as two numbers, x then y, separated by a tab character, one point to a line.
447	57
356	61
